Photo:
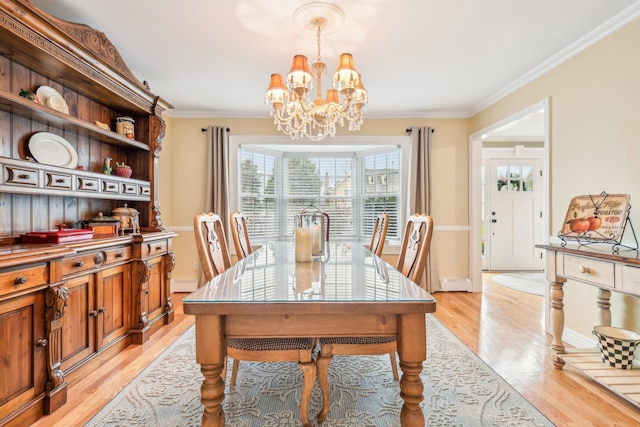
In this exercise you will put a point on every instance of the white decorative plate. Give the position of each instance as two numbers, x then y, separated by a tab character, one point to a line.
51	149
50	97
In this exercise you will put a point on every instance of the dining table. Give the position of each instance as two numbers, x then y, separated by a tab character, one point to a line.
348	291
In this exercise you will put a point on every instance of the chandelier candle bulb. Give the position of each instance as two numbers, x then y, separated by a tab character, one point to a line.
303	245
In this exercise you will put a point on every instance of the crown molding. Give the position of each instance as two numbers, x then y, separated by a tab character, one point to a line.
209	114
615	23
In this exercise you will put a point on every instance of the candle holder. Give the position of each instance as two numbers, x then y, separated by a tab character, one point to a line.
317	222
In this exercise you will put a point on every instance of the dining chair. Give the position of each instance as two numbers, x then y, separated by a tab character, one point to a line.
240	235
214	258
411	263
379	233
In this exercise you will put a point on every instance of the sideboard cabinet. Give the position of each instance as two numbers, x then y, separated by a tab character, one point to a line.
67	307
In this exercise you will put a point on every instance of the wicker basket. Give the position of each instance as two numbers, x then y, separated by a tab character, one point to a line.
617	346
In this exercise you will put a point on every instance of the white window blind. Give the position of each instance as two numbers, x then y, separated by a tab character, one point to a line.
352	188
381	191
259	194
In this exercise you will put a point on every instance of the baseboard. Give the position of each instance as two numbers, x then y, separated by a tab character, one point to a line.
183	285
578	340
455	284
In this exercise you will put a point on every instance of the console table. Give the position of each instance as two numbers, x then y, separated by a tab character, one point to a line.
608	271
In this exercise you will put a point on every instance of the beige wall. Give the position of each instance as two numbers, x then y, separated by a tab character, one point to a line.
182	165
595	144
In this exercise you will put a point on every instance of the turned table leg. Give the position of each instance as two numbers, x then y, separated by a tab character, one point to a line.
604	307
211	354
413	352
556	306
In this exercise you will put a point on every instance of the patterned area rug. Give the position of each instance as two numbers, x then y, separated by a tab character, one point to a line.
531	283
460	390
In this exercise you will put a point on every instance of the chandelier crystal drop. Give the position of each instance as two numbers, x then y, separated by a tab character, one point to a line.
293	112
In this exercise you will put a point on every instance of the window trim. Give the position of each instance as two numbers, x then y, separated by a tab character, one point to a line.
270	144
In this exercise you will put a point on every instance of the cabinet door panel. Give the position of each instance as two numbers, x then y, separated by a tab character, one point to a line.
114	302
22	371
155	297
78	323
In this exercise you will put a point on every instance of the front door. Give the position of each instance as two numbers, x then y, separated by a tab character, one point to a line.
514	219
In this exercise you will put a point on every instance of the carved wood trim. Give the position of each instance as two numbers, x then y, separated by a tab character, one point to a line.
56	300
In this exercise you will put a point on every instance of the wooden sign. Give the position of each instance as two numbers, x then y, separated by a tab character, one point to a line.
600	217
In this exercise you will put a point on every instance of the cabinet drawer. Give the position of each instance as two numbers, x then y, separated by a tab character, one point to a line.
57	180
21	176
144	190
631	279
601	273
110	186
80	263
118	255
88	184
129	189
23	278
158	247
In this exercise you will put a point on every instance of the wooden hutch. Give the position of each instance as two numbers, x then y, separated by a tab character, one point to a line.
66	308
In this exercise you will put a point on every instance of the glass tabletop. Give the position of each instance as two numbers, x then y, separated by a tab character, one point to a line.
349	272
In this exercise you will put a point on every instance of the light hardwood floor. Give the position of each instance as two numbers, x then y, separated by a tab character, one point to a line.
504	327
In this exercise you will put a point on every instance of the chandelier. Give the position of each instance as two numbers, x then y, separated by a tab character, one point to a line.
293	112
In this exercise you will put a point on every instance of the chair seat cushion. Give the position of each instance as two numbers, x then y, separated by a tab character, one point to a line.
270	344
357	340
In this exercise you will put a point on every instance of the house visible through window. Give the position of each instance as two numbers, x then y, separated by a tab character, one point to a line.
351	187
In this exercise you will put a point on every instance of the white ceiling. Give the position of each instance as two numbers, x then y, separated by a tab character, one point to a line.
418	58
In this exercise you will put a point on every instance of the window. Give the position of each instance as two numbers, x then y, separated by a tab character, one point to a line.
351	187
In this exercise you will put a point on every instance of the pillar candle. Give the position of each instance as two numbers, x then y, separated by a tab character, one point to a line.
303	277
303	245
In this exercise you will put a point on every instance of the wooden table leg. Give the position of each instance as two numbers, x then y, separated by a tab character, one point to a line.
413	352
556	310
210	354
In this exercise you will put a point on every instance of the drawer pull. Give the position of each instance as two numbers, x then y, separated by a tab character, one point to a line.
79	264
583	269
23	176
20	280
89	184
42	342
119	255
98	258
60	181
93	313
158	248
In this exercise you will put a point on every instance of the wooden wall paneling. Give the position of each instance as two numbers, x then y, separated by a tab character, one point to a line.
95	157
21	213
71	98
40	213
5	214
71	211
56	211
5	133
84	152
35	81
5	74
